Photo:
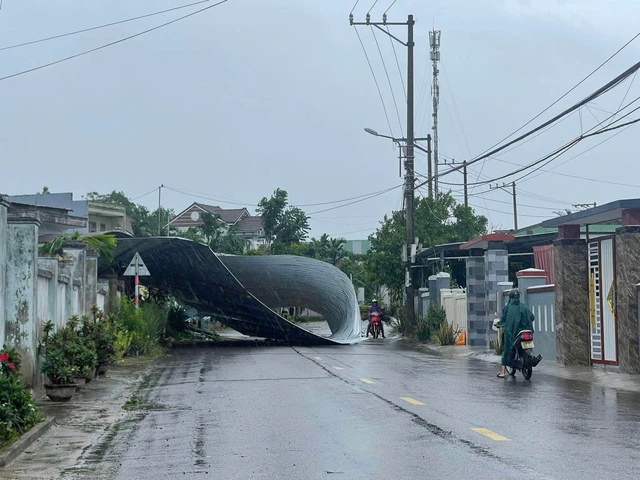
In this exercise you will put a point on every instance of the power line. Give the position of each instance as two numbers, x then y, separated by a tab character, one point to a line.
357	201
392	3
86	52
119	22
395	54
384	107
565	94
610	85
374	4
384	65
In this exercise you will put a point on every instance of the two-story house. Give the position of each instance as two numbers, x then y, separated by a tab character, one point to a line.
239	219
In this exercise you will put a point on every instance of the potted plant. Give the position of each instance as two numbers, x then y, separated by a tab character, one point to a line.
104	335
56	364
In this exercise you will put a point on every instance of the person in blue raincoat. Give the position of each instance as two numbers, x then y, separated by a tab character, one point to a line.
516	316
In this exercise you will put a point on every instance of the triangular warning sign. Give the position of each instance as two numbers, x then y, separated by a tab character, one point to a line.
136	265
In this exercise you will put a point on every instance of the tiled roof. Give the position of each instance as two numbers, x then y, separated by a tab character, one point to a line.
186	217
230	216
249	224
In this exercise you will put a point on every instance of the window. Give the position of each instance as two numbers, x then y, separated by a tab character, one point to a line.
103	227
92	227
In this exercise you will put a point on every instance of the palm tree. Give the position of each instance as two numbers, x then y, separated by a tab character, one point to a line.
103	244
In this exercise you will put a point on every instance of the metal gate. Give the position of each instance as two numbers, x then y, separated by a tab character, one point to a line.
602	298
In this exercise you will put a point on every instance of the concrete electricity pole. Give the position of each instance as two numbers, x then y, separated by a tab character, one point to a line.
515	203
409	176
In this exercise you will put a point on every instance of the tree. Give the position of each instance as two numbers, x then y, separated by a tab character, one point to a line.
212	227
271	210
283	225
438	220
143	222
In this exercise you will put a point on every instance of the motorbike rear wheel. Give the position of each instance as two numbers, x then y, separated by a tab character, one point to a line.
376	330
527	370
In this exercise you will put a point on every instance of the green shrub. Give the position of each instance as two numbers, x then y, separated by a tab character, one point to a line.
143	327
176	319
446	334
430	323
18	412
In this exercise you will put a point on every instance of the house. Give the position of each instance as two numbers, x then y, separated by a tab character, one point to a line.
101	217
239	219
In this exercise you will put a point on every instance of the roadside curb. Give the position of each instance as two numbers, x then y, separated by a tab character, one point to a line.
25	441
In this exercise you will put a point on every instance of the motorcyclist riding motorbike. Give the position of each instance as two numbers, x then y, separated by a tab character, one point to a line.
516	316
375	309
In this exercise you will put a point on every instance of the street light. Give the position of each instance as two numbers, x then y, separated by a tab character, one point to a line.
409	211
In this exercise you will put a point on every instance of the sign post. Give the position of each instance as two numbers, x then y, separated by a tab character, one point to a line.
137	268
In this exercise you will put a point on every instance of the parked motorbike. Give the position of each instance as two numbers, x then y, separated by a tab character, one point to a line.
375	324
523	358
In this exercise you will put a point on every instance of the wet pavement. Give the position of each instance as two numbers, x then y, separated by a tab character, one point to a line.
367	411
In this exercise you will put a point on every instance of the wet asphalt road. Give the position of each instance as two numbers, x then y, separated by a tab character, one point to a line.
368	411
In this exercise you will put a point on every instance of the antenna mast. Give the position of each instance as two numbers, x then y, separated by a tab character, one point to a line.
434	42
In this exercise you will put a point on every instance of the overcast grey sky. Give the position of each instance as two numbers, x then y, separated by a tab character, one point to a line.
253	95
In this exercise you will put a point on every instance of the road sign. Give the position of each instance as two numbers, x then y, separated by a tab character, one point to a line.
137	267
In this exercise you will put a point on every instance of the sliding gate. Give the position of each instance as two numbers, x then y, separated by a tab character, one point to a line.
602	301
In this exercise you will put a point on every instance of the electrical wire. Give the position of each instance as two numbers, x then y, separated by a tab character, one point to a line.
119	22
356	201
144	194
574	157
395	54
392	3
565	94
627	92
384	107
605	88
354	6
374	4
386	72
86	52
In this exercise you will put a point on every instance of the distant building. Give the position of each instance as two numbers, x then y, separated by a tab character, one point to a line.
101	217
239	219
357	247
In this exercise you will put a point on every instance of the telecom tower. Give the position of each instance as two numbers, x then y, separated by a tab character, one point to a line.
434	42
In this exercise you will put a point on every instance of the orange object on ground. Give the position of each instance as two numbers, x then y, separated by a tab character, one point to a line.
462	339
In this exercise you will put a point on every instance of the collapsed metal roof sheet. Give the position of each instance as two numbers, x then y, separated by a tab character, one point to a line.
243	291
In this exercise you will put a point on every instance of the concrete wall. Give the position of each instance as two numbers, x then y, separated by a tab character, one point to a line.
35	289
21	325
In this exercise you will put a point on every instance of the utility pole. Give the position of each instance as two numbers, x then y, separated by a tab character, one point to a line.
515	203
434	42
429	168
159	218
464	175
409	176
515	207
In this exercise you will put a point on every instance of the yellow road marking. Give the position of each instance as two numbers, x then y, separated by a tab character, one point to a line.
490	434
365	380
318	358
412	401
338	368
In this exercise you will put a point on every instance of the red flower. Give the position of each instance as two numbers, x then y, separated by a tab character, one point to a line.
4	357
12	366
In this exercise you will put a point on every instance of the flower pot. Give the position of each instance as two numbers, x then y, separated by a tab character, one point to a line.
60	393
102	368
79	381
89	376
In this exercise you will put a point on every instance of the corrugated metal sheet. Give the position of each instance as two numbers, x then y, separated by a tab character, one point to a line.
242	291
